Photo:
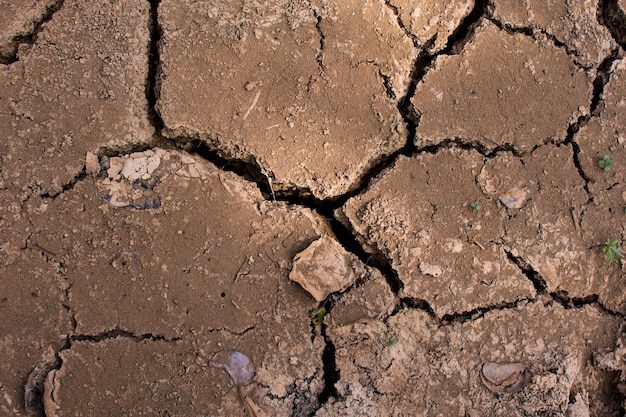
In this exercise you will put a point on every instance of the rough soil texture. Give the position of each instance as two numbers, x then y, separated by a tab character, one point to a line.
388	207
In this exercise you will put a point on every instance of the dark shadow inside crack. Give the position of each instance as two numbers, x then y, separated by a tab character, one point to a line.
154	65
529	272
611	15
120	333
331	372
465	31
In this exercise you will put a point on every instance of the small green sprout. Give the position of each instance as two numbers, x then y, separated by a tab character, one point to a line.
606	163
610	248
317	316
49	306
475	207
392	342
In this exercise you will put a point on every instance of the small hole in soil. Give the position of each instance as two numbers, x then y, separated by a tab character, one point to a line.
223	295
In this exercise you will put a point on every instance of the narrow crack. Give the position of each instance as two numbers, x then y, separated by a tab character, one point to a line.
120	333
331	372
464	33
529	272
79	176
409	303
154	65
459	318
30	38
560	296
539	34
34	386
319	57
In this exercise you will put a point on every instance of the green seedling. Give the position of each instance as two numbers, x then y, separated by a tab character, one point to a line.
610	248
606	163
475	207
317	316
392	342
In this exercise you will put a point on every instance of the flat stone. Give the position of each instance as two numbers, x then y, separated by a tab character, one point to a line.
417	215
438	367
572	23
80	87
432	21
278	84
18	19
325	267
501	90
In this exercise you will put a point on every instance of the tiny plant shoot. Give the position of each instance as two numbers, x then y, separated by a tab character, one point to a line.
610	248
475	207
606	163
317	316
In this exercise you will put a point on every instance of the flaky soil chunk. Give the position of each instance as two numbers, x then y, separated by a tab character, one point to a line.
80	87
418	215
306	91
572	23
191	254
17	20
502	89
410	365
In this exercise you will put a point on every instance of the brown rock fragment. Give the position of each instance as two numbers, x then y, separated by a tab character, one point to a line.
371	299
502	89
324	267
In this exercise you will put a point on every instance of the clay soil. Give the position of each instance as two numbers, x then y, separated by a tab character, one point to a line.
388	207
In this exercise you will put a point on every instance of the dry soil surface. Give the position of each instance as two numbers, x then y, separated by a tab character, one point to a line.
313	208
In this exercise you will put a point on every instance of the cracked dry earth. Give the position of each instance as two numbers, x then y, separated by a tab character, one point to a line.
180	179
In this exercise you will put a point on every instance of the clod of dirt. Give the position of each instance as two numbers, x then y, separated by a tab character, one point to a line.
502	89
236	364
370	298
81	86
18	19
417	215
324	267
572	23
505	378
284	79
